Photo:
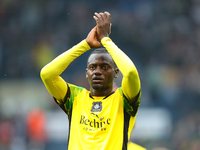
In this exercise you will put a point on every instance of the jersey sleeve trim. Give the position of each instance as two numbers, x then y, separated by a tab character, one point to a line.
72	92
131	108
65	105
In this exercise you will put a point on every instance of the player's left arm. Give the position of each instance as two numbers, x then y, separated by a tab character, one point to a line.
130	81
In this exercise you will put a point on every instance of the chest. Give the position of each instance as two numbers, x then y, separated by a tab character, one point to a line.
97	115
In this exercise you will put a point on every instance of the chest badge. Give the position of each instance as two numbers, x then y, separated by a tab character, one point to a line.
96	107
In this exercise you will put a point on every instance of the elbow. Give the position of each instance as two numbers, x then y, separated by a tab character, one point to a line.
134	76
44	74
133	73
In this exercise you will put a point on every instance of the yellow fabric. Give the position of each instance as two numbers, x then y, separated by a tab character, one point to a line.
133	146
130	82
56	86
97	130
111	117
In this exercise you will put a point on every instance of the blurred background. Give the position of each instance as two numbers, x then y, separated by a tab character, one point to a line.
161	37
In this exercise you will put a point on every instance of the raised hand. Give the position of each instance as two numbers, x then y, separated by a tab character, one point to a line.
92	40
103	24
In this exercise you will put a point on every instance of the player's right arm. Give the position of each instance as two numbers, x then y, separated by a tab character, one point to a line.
50	74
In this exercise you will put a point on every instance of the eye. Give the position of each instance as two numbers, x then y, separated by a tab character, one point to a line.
92	67
105	67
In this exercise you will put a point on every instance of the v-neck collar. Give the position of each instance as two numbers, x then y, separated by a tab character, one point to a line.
101	96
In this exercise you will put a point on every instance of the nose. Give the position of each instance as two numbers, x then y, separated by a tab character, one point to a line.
98	70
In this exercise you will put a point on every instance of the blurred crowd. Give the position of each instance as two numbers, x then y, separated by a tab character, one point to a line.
161	37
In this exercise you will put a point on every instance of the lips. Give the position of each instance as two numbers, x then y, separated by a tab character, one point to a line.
97	79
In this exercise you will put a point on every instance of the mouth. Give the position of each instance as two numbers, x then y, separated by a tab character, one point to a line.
97	79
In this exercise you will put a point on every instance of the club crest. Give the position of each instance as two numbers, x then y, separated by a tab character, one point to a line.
96	107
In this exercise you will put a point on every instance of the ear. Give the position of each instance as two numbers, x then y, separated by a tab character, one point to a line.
116	72
86	73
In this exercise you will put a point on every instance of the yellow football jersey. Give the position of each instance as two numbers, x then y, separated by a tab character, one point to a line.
98	123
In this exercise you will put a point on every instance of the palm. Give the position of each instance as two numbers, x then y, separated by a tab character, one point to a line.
92	38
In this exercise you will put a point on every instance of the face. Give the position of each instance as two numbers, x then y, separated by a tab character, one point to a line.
101	71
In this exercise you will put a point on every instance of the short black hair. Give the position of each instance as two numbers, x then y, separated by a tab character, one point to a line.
100	51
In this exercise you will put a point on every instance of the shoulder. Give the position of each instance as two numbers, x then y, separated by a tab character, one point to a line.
119	91
74	89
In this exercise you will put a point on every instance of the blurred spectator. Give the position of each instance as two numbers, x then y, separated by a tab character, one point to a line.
36	129
164	35
43	53
6	134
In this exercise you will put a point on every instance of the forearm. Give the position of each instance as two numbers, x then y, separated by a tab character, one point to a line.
130	81
50	73
60	63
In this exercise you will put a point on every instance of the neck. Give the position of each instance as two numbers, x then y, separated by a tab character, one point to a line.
104	92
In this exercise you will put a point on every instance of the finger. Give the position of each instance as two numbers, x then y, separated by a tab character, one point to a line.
96	19
108	16
103	16
98	16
